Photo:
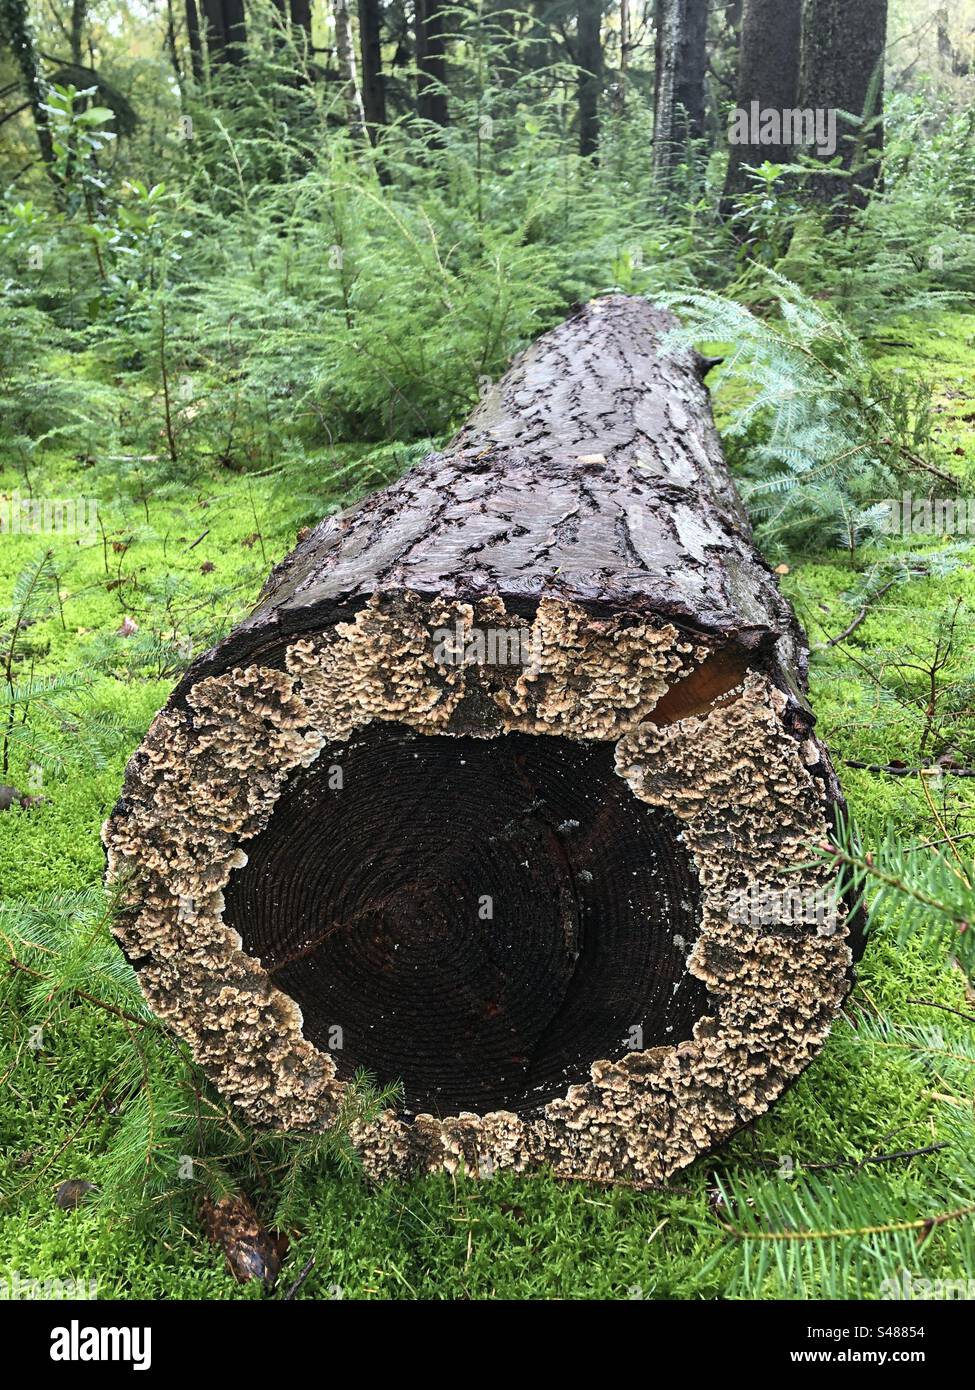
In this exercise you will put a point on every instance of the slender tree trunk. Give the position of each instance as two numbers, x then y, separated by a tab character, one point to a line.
681	64
624	45
431	62
589	58
373	82
193	39
842	69
345	50
171	48
78	9
768	73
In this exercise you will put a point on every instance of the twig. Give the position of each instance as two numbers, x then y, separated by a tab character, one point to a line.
930	1004
936	771
842	636
854	1163
300	1280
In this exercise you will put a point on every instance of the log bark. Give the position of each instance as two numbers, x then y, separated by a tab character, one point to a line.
507	789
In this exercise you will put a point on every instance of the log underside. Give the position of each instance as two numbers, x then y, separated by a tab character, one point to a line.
506	884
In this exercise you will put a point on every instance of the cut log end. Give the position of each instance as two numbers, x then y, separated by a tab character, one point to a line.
479	919
532	851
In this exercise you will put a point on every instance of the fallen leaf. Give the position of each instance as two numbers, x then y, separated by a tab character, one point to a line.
72	1193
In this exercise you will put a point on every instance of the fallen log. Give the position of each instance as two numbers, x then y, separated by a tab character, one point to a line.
507	790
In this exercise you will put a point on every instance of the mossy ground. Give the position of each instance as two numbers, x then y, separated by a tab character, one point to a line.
535	1237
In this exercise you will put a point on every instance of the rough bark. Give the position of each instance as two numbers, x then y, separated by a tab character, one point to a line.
431	63
680	68
768	73
842	68
589	59
373	81
473	797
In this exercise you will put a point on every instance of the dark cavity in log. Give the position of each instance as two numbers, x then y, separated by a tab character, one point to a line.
481	918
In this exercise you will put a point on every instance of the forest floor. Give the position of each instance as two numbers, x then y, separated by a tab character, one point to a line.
187	563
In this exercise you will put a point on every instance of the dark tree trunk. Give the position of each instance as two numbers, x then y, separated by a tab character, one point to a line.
301	17
193	39
842	68
373	82
589	60
226	31
78	10
431	50
768	73
479	796
681	65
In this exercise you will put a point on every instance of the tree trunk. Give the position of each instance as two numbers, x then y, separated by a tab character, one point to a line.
431	62
345	50
768	73
301	17
373	82
193	39
589	61
15	27
842	69
226	30
78	9
681	64
507	790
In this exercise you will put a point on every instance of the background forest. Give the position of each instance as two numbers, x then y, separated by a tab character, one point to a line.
256	258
